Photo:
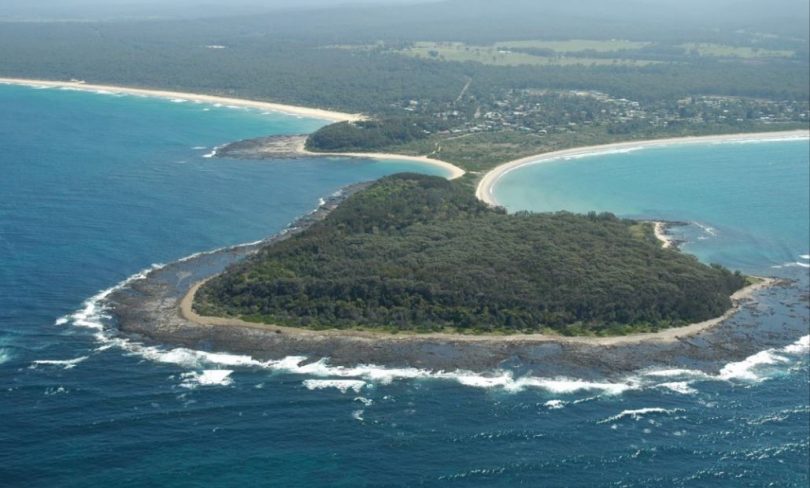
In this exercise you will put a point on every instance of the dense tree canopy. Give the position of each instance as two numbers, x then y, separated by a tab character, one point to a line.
417	252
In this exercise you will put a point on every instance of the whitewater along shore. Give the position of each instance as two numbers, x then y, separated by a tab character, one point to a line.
159	308
294	147
315	113
484	190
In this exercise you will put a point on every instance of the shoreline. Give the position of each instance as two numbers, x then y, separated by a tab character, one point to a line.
294	147
316	113
484	190
455	171
660	231
739	299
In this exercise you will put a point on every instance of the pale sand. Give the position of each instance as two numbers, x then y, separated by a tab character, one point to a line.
660	234
453	170
314	113
668	335
484	191
327	115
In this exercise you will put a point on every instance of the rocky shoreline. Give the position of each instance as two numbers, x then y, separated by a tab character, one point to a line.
271	147
149	310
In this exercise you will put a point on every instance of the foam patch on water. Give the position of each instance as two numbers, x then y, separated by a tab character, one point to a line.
681	387
208	377
63	363
342	385
62	320
638	414
708	229
795	264
554	404
365	401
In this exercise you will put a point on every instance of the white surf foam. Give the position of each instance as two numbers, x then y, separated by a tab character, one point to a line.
554	404
64	363
749	369
640	413
62	320
707	229
342	385
806	257
761	141
208	377
95	312
365	401
681	387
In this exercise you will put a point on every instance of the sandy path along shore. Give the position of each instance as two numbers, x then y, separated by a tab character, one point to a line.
484	191
316	113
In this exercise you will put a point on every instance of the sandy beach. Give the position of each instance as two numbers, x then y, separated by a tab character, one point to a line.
740	298
453	170
484	191
327	115
661	234
315	113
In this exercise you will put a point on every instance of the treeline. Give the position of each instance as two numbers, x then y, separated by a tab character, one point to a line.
373	134
421	253
256	64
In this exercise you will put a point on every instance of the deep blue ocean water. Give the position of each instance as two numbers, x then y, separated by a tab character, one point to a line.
96	188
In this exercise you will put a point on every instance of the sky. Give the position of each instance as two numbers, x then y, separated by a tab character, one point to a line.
127	9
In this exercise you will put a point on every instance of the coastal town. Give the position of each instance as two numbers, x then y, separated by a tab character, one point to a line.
543	112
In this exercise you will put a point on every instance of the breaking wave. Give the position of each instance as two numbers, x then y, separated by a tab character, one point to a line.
207	368
63	363
208	377
640	413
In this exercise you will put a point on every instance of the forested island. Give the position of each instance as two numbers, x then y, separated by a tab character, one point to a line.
420	253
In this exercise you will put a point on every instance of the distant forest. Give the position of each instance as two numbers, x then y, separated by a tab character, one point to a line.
420	253
287	56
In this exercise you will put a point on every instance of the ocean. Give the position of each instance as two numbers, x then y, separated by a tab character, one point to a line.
97	187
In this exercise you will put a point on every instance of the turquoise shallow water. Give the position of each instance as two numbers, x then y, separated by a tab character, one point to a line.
748	203
96	188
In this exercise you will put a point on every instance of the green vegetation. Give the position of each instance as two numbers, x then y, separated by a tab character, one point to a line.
726	51
500	55
420	253
469	81
574	45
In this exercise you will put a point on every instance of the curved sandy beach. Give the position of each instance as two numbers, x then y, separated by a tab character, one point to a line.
326	115
315	113
484	191
673	334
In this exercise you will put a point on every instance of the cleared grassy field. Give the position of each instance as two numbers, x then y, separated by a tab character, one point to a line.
574	45
725	51
503	56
